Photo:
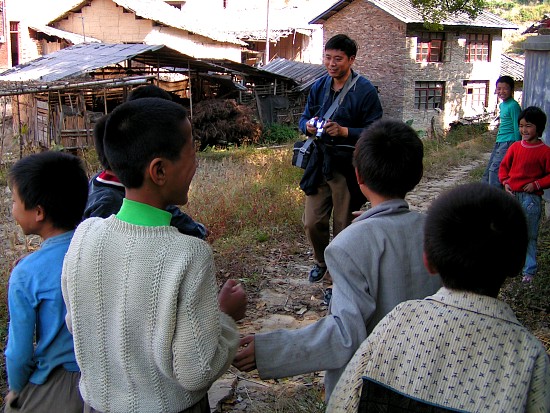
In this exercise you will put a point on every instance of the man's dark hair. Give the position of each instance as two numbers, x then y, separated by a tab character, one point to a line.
99	132
55	181
508	80
388	158
149	91
139	131
343	43
536	116
476	236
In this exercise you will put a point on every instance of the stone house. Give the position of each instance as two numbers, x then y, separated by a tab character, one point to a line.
429	77
151	22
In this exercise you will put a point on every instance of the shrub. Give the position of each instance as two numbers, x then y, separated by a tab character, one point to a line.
278	133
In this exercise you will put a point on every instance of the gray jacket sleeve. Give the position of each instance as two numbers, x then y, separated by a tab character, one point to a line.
330	342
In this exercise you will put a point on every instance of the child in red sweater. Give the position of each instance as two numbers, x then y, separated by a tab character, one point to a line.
525	173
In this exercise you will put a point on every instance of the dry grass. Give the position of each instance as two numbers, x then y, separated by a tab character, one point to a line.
256	194
459	148
249	198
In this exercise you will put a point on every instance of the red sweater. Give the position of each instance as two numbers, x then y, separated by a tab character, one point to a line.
525	163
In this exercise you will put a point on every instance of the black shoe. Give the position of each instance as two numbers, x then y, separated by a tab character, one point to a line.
327	296
317	273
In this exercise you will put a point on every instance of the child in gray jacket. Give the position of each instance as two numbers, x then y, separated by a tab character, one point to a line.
375	264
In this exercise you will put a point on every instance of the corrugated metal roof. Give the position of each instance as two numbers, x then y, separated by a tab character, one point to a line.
77	60
62	34
512	67
74	61
304	74
404	11
159	11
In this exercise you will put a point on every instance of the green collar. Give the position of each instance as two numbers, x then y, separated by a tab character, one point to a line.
137	213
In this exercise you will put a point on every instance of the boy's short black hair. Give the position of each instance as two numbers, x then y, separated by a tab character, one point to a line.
536	116
149	91
506	79
475	236
55	181
388	158
343	43
139	131
99	132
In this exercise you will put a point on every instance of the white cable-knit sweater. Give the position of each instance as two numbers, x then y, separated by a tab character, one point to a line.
142	306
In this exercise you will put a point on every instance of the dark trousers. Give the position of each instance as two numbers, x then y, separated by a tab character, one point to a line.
59	393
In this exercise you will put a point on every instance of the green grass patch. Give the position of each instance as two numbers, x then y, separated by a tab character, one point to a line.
519	12
277	133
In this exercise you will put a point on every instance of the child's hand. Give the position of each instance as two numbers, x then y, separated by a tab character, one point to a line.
10	398
529	187
356	214
245	360
232	300
508	189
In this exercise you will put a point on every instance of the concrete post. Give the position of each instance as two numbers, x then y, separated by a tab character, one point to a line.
536	85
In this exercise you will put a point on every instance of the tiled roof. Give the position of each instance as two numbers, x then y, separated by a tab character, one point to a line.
159	11
282	22
405	12
540	26
512	67
62	34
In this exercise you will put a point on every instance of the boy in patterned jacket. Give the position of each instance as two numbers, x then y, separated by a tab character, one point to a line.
461	349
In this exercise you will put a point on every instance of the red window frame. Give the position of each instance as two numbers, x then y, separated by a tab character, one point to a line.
430	47
478	47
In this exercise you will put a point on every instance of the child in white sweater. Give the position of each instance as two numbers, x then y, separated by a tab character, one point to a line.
149	333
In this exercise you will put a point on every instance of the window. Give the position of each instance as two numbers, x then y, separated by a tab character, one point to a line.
432	47
428	95
14	39
478	48
476	93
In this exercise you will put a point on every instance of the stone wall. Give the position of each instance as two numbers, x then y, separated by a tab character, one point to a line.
387	56
382	53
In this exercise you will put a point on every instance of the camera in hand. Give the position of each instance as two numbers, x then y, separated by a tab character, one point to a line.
319	123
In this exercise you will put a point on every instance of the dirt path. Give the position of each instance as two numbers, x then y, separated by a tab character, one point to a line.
281	297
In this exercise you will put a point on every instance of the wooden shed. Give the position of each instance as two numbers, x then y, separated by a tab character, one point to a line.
57	98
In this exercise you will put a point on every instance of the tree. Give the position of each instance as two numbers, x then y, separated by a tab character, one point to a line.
435	11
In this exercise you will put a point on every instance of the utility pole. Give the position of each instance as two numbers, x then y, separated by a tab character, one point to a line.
266	57
83	32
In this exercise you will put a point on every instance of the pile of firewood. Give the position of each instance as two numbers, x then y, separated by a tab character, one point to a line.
223	122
